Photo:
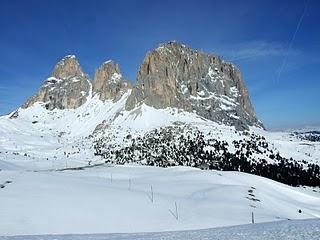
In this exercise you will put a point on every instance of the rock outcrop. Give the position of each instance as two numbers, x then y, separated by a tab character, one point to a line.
67	88
174	75
109	83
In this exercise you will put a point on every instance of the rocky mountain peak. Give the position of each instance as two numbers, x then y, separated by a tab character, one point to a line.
108	81
68	87
174	75
67	67
108	71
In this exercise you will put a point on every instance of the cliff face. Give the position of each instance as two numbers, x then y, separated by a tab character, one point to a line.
67	88
174	75
109	83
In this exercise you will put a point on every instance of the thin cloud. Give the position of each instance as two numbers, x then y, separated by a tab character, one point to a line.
256	49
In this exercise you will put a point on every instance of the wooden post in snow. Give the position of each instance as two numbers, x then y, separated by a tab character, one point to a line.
252	218
151	193
175	203
175	214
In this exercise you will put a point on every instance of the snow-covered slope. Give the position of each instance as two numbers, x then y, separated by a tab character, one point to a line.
51	181
141	199
284	230
39	132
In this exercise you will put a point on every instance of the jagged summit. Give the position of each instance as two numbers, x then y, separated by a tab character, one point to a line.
170	44
171	75
70	56
174	75
174	44
67	87
108	71
108	81
67	67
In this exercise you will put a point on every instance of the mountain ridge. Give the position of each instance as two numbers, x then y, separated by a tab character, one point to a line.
200	82
174	75
67	87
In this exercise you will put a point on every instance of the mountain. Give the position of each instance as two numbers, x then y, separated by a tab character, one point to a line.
187	108
112	157
67	87
172	75
109	83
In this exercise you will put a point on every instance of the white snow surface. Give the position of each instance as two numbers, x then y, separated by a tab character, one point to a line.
111	199
116	77
284	230
38	199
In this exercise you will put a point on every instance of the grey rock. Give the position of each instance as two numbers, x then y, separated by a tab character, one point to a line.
14	115
67	88
109	83
174	75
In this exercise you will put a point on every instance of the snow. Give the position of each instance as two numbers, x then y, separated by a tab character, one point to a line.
202	98
234	91
116	77
75	79
201	93
59	130
183	89
94	203
212	74
52	80
234	116
291	146
87	198
305	129
225	107
163	48
70	56
145	118
61	62
284	230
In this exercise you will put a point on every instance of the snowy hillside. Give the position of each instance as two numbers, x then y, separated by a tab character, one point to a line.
53	181
284	230
141	199
39	132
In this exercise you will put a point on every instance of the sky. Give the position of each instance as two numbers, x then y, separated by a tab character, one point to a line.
276	44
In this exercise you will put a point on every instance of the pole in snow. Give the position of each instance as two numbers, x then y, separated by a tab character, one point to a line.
175	214
252	218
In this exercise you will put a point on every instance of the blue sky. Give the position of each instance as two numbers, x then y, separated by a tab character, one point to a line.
262	37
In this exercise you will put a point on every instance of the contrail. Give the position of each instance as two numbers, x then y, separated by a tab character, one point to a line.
284	62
